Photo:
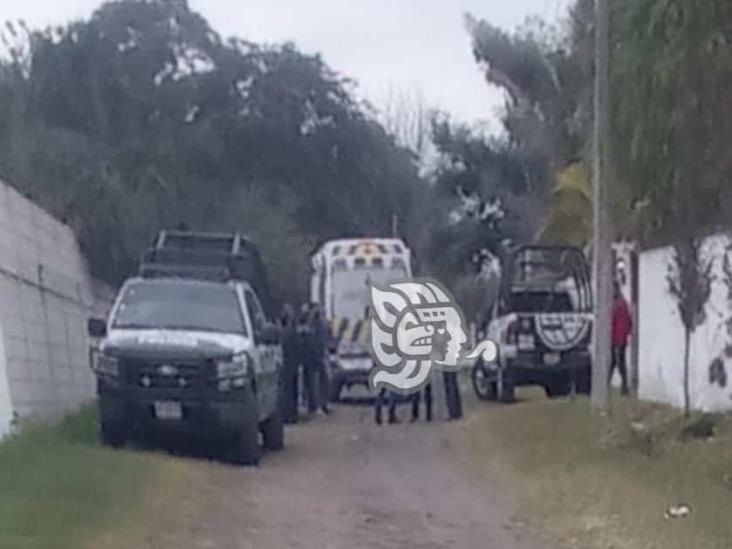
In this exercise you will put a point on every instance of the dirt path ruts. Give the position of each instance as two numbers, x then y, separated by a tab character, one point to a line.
344	483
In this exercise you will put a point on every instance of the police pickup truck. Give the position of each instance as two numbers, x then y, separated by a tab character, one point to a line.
542	323
188	351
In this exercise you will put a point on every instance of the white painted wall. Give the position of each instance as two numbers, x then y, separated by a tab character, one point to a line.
6	406
46	296
661	335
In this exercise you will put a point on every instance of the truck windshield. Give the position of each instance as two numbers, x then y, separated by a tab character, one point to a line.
541	302
351	289
549	280
180	305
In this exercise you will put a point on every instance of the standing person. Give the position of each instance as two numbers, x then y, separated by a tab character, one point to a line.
384	396
291	364
452	396
417	400
320	341
306	346
622	327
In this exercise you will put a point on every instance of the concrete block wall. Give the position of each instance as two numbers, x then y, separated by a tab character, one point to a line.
46	296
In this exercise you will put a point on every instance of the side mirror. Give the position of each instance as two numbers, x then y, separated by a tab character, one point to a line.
269	334
96	327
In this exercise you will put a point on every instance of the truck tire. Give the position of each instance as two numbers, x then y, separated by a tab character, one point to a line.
583	381
246	445
558	388
508	393
506	385
273	432
111	434
484	386
335	389
245	449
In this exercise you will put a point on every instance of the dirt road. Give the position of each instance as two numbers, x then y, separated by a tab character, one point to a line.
344	483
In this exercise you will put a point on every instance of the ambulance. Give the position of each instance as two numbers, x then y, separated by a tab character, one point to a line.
343	271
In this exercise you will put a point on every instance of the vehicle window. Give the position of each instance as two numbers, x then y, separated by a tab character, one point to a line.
321	288
255	311
180	305
540	302
351	289
541	273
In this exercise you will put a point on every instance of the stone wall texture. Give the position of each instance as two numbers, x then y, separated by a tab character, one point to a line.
46	297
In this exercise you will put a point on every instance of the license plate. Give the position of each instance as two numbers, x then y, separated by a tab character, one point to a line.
168	410
552	359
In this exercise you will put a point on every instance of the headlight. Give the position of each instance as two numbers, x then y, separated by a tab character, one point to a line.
233	372
107	366
237	365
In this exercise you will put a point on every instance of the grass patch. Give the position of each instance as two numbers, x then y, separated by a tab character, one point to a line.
592	481
58	487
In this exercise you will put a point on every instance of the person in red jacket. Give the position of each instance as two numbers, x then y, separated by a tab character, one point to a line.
622	327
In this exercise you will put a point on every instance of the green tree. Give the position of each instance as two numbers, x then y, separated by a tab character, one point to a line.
690	283
671	113
571	212
142	117
500	186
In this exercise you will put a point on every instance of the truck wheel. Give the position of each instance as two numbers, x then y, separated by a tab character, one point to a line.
273	432
246	440
334	390
507	387
484	381
583	381
508	393
111	434
558	388
246	445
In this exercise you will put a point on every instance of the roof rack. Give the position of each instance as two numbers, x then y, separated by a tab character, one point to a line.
199	272
206	256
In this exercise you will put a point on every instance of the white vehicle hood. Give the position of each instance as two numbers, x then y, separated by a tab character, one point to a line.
174	343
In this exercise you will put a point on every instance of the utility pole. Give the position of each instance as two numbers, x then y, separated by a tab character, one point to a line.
601	249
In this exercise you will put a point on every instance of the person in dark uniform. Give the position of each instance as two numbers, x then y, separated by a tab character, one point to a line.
306	353
290	366
320	342
384	396
452	396
425	393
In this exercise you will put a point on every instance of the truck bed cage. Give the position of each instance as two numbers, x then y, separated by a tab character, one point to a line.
540	268
206	256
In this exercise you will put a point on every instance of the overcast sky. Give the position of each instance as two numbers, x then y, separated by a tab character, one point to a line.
387	46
